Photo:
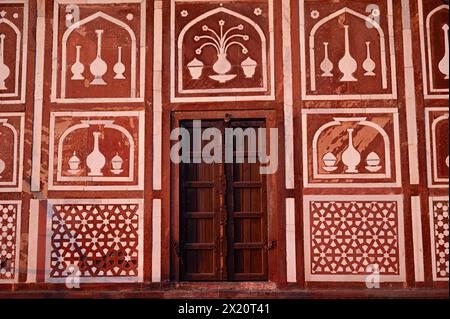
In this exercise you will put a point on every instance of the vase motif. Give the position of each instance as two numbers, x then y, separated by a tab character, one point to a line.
326	66
4	69
119	67
348	65
443	64
222	41
98	67
78	67
96	160
195	68
351	157
369	64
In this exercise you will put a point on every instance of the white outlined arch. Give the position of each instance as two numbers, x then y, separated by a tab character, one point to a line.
434	147
113	20
365	19
430	60
4	123
18	53
360	121
84	125
258	29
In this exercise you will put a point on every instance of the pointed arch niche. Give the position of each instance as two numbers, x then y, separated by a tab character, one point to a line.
179	92
129	22
314	18
16	95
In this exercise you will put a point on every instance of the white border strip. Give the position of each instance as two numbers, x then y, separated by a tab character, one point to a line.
157	95
353	278
33	238
120	279
410	96
288	98
17	249
291	256
416	211
38	98
156	241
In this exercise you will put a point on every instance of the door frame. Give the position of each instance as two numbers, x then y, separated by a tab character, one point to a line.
273	219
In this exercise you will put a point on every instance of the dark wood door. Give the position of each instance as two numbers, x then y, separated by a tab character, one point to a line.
223	214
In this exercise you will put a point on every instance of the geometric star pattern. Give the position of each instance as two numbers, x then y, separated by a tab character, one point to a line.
8	222
101	240
441	238
347	237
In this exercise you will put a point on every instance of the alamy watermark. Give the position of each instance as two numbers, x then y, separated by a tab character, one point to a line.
233	143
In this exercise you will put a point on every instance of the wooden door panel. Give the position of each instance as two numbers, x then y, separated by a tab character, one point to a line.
199	219
247	215
223	217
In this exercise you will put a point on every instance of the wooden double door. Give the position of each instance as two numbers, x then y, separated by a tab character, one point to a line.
222	213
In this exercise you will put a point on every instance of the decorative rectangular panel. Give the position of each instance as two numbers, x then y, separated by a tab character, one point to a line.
10	212
439	237
351	148
11	151
347	50
99	51
222	51
96	151
436	121
347	238
100	240
434	43
13	51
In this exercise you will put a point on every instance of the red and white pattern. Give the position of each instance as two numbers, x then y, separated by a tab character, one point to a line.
347	237
9	228
439	237
102	239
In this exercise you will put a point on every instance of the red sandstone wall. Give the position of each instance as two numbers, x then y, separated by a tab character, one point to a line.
86	111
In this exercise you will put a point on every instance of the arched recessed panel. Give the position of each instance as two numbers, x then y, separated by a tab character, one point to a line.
351	147
222	51
13	51
347	50
98	55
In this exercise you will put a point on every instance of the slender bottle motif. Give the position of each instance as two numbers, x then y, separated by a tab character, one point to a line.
369	64
443	65
78	67
351	157
119	68
98	67
4	70
326	66
96	160
348	65
2	165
